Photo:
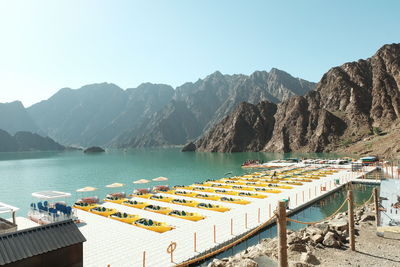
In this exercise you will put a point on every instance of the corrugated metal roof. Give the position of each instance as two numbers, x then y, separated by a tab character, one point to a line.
38	240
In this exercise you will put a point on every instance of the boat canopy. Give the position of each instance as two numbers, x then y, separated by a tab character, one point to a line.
50	194
4	208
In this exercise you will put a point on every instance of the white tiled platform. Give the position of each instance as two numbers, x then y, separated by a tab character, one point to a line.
119	244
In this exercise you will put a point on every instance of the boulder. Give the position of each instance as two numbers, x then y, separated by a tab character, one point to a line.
190	147
293	238
217	263
313	231
299	264
317	238
339	224
247	263
367	217
330	240
324	227
297	247
310	258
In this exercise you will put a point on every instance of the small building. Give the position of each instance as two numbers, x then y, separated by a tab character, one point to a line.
57	244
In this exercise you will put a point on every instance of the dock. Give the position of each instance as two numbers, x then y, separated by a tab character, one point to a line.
114	243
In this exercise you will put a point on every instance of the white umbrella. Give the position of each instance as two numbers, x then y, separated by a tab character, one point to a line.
114	185
160	179
86	189
141	181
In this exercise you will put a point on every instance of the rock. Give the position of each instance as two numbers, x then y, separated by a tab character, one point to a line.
293	238
324	227
297	247
309	258
247	263
190	147
367	217
217	263
299	264
330	240
339	225
317	238
313	230
94	149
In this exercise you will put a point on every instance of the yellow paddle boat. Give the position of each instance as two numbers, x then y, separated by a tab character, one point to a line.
161	198
191	216
278	186
114	199
103	211
207	206
225	192
124	217
85	206
184	193
204	189
155	226
234	200
254	195
266	190
246	188
208	197
135	204
141	195
158	209
184	202
220	185
186	187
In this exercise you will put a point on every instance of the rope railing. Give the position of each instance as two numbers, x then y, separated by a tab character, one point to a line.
228	246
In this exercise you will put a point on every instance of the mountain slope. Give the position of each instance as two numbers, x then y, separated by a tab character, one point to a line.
27	141
208	101
14	118
96	113
349	103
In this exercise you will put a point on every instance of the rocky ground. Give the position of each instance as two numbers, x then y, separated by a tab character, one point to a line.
326	244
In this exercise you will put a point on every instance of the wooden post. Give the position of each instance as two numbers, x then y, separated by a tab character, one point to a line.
195	242
258	215
231	226
245	220
296	199
282	247
215	234
376	202
351	220
144	258
269	211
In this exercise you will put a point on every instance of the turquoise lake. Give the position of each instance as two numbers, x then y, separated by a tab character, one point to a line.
26	172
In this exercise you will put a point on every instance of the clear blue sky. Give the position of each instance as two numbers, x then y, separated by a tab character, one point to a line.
47	45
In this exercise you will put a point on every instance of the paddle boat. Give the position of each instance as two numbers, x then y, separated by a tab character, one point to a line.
191	216
225	192
143	193
265	190
204	189
135	204
254	195
182	193
161	198
155	226
208	197
184	202
234	200
116	198
212	207
84	206
161	188
103	211
186	187
278	186
124	217
158	209
245	188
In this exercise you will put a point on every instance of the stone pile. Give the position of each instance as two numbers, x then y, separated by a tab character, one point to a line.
332	233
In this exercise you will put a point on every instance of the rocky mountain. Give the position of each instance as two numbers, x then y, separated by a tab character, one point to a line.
196	107
97	113
14	118
27	141
350	103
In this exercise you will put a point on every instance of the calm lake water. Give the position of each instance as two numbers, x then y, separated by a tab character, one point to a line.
26	172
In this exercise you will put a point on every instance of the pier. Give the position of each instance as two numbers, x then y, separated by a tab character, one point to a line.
110	242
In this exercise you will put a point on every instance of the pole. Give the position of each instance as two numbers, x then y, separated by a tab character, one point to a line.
144	258
231	226
215	234
245	220
282	248
269	210
351	220
195	242
376	202
258	215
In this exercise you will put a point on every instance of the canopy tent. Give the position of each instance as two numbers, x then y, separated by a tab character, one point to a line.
141	181
46	195
160	179
114	185
86	189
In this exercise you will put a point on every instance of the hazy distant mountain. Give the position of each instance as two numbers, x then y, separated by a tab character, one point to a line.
27	141
198	106
14	118
97	113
